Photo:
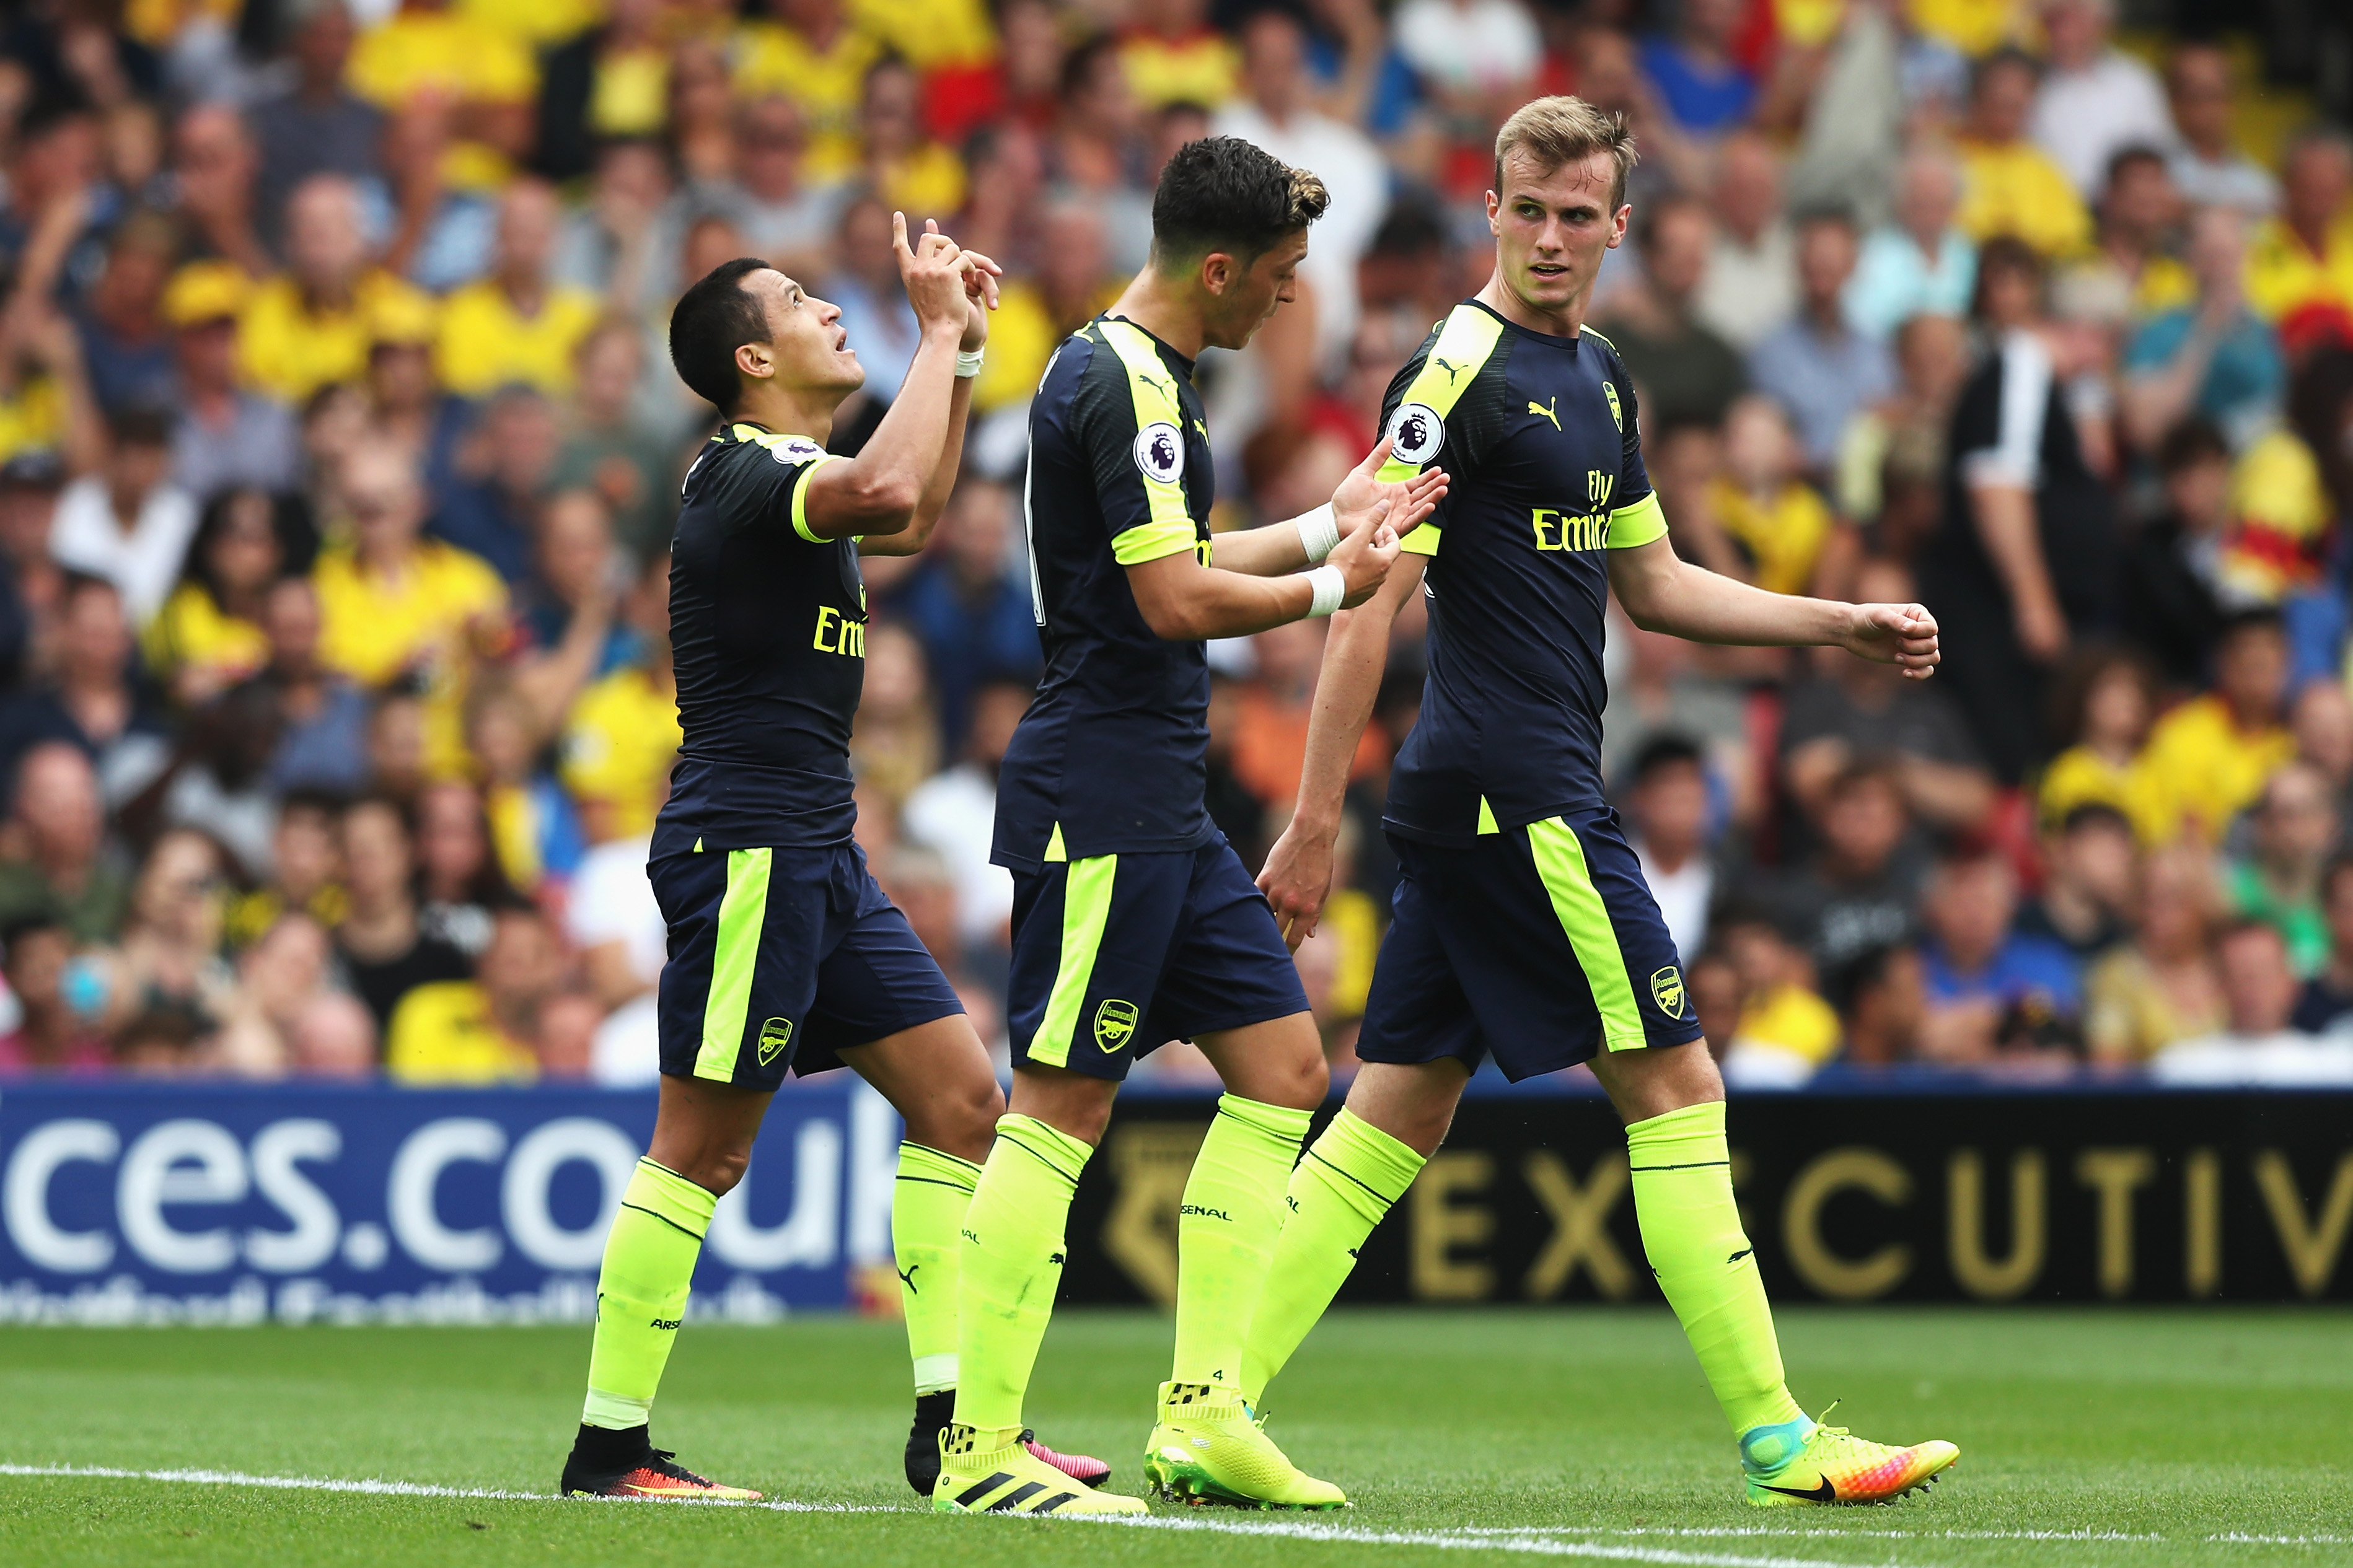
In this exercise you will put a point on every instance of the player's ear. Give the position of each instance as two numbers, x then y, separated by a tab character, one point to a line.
757	361
1218	272
1618	229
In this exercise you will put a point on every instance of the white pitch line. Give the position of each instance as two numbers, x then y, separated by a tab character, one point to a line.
1529	1539
1832	1534
1457	1541
1464	1540
385	1488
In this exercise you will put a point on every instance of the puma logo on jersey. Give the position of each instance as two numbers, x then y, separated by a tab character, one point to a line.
1546	409
1449	366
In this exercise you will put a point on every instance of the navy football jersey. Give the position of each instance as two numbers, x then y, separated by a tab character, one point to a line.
1538	437
1110	758
768	638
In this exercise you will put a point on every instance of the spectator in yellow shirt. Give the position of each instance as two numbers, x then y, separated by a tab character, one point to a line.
2012	184
209	634
929	34
2304	254
1973	27
2107	709
515	325
1035	314
815	54
46	412
912	172
1786	1030
1778	521
2131	272
2211	757
624	732
397	607
310	326
1174	55
492	1030
428	50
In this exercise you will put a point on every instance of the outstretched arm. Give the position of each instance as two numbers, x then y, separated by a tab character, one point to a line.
877	492
1298	874
1664	594
980	298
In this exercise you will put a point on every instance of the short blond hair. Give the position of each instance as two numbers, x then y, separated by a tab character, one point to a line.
1563	129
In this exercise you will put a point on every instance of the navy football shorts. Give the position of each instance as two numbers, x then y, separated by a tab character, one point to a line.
1116	955
1540	945
781	958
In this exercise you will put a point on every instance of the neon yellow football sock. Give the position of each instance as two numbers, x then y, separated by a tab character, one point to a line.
641	1292
1226	1231
1347	1180
1012	1264
1691	1232
927	1209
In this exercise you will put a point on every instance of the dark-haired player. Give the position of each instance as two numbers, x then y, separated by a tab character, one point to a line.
783	952
1523	927
1133	923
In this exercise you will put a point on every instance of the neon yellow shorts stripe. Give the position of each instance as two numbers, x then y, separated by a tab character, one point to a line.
743	910
1585	920
1086	910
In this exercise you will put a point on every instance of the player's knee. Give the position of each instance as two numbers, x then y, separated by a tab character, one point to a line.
1298	1080
719	1172
1314	1081
962	1122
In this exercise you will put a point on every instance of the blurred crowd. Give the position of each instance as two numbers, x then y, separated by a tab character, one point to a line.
339	450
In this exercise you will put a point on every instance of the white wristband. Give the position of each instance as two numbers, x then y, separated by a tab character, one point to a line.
1331	587
968	365
1319	531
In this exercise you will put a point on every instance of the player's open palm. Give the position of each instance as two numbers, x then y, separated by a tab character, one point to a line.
1903	635
1410	500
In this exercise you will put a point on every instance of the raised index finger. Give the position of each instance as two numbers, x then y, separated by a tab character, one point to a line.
898	236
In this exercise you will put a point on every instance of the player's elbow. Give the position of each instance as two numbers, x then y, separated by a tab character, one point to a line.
1176	618
1647	597
1642	607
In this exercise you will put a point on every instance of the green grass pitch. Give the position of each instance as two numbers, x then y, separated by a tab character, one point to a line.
2088	1438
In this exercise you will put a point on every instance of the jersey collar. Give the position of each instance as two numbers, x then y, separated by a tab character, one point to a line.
726	432
1159	343
1510	325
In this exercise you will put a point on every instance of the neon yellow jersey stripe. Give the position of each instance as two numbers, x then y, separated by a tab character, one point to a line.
1154	387
800	499
1637	524
742	911
807	453
1585	920
1426	536
1464	343
1151	540
1086	910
